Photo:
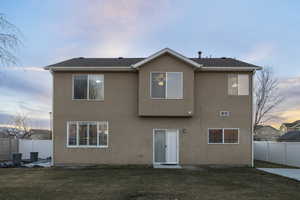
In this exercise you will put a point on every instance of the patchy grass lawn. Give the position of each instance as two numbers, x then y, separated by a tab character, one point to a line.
144	184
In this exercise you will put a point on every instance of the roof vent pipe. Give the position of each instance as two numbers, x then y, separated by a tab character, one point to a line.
199	54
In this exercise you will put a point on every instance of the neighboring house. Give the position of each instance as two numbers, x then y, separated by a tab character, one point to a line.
266	133
291	136
162	109
38	134
294	126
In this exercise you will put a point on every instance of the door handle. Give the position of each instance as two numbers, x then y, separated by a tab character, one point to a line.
165	146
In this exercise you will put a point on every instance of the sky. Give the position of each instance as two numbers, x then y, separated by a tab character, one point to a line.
265	33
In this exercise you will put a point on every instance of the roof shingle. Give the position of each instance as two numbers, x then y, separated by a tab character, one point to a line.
292	123
126	62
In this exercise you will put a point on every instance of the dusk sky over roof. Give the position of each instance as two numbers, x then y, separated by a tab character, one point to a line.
264	33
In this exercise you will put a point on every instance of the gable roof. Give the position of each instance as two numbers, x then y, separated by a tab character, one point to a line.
165	51
266	126
292	124
290	136
134	63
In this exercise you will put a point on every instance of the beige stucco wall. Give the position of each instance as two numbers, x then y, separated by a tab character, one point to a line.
163	107
130	136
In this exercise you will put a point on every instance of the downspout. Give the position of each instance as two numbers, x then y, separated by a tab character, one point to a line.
252	121
51	119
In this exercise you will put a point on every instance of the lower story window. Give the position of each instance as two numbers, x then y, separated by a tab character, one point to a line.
87	134
223	136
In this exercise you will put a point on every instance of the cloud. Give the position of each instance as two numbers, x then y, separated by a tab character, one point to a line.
259	53
5	120
27	91
23	68
23	84
111	28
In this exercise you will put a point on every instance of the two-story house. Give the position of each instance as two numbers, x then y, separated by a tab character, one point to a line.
163	109
287	127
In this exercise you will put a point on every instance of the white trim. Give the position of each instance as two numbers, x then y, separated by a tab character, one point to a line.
153	146
238	84
88	89
166	86
163	51
238	142
52	123
252	119
77	134
130	68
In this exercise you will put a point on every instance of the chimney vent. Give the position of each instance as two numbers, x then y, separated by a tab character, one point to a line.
199	54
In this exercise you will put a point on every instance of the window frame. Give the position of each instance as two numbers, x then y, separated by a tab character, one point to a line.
166	98
238	138
88	88
238	94
88	127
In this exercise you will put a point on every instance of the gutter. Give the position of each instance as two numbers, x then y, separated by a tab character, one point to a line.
52	69
126	68
229	68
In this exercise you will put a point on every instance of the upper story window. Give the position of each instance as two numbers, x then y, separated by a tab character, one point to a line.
166	85
238	84
88	86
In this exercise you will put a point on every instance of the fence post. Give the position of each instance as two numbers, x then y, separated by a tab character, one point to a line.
285	153
9	148
268	151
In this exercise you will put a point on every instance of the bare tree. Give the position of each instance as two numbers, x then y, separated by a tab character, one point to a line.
267	96
20	125
9	41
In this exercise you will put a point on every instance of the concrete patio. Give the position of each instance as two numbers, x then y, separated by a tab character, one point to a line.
289	173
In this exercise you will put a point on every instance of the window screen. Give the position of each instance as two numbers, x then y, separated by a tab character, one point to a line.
232	84
103	133
215	136
96	87
158	85
223	136
88	86
230	136
83	133
89	134
238	84
174	85
80	86
93	134
72	134
243	82
166	85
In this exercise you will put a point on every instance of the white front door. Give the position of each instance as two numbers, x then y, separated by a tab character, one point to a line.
165	146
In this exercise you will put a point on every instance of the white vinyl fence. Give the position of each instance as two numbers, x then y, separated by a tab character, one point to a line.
44	147
8	146
286	153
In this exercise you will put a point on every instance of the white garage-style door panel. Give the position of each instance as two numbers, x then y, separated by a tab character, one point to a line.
165	146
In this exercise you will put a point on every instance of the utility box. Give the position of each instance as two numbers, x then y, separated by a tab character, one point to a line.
34	156
17	159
